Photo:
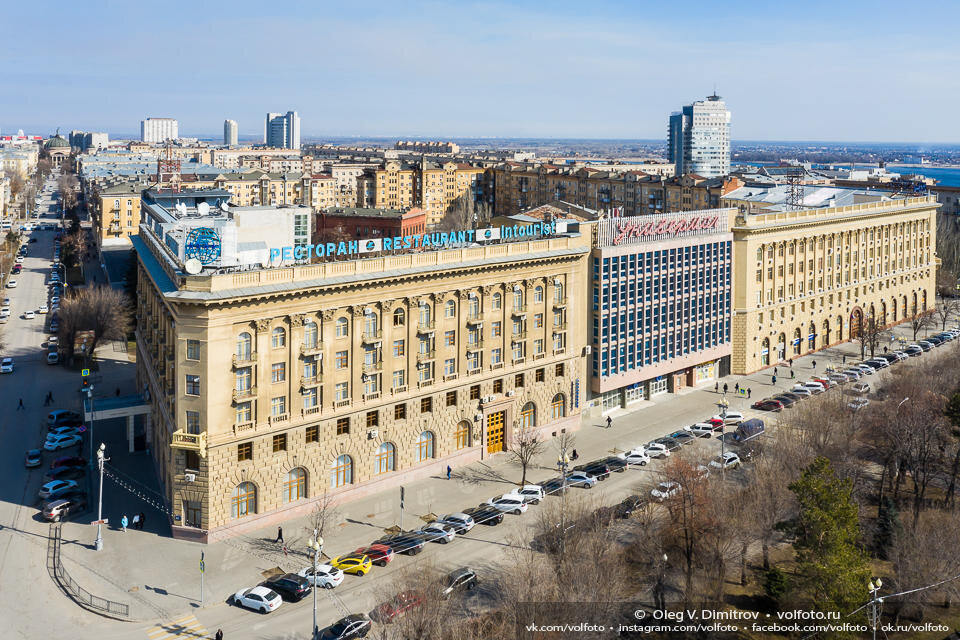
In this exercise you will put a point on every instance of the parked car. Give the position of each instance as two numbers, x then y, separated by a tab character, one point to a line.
860	388
878	363
531	493
68	461
768	404
599	470
727	460
258	598
62	507
581	479
683	437
628	506
813	387
636	457
670	444
748	429
656	450
325	576
508	504
33	459
925	345
43	309
61	417
784	400
461	522
463	579
290	586
801	390
379	554
355	625
839	378
55	488
355	564
700	429
731	417
407	542
438	532
492	517
853	374
29	315
826	383
399	604
53	357
914	350
65	473
64	431
857	403
62	442
665	490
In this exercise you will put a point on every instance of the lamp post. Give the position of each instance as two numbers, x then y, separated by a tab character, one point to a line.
100	460
723	404
874	587
90	398
316	544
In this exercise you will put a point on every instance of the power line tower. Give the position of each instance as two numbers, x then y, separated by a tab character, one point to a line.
795	193
168	169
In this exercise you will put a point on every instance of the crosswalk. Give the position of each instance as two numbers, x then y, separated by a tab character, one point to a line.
185	628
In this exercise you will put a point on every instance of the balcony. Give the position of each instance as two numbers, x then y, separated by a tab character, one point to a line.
426	356
519	360
539	355
190	442
476	345
244	394
374	335
519	309
475	318
373	395
311	350
341	403
283	417
425	383
557	328
244	359
519	335
370	367
309	411
497	365
243	426
311	381
449	376
425	327
473	372
401	389
560	302
560	351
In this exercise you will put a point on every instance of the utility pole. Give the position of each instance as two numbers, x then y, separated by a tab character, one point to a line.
316	544
202	567
100	460
723	404
874	588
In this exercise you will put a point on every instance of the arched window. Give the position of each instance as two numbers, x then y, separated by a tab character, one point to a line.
497	301
386	456
528	416
518	298
424	314
295	486
399	317
425	446
370	323
797	342
538	294
558	407
244	342
342	328
244	500
341	471
278	338
463	435
450	309
558	292
310	334
781	347
924	308
825	338
812	336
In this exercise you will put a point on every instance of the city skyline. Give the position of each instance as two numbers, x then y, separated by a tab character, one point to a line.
455	72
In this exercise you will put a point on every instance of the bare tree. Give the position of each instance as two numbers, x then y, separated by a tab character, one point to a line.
74	247
948	307
67	185
465	213
920	322
17	183
324	514
103	310
526	446
870	336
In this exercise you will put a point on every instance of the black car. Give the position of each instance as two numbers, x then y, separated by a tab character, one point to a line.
290	586
792	396
463	579
784	399
671	444
66	473
616	464
407	542
628	506
683	437
889	357
597	469
356	625
487	515
554	486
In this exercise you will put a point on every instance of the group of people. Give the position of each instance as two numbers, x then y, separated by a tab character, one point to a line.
139	519
736	388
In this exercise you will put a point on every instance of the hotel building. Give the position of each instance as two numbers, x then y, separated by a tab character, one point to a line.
270	388
660	312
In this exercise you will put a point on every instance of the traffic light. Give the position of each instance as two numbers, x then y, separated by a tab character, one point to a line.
84	385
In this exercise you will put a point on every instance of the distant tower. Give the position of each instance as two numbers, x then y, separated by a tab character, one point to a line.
230	133
282	130
699	138
795	193
168	169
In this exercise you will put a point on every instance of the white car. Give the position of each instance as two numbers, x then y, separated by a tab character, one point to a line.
857	403
62	442
853	374
508	504
53	357
54	299
838	378
701	429
733	417
43	309
29	315
459	521
814	387
728	460
12	284
6	365
665	490
439	532
656	450
860	387
865	369
531	493
326	576
637	457
259	599
5	312
801	391
57	487
581	478
56	432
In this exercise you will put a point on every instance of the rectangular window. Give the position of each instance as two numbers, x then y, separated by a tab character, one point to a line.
449	366
518	380
278	406
496	356
399	348
343	426
399	378
310	397
193	422
538	345
449	338
278	372
244	451
193	349
451	398
539	375
537	321
342	391
498	385
373	419
425	371
559	370
280	442
340	360
193	385
475	392
313	434
496	330
426	405
243	412
400	412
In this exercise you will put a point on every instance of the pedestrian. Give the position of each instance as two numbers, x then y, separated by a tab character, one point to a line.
143	520
844	359
136	521
792	374
774	380
219	635
791	363
774	371
716	387
124	522
279	535
448	471
736	388
814	365
575	454
118	392
609	422
749	392
884	350
20	404
725	387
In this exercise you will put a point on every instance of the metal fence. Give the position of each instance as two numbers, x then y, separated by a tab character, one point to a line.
78	593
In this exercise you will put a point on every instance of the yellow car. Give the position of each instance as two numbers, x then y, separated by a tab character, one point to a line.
355	564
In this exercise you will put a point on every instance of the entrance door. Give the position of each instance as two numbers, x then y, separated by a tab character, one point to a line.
495	432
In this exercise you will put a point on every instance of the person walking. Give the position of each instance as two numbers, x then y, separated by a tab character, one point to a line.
749	392
143	520
792	374
118	392
136	521
219	635
725	387
844	361
774	380
716	387
575	454
791	363
448	471
279	535
609	422
124	522
814	365
20	405
736	388
774	371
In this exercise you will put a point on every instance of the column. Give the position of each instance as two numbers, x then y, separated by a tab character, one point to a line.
130	420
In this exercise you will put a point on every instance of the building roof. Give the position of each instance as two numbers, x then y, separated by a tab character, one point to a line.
55	142
363	212
814	196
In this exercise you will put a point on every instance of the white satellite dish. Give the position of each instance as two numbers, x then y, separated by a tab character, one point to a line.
203	208
224	206
192	266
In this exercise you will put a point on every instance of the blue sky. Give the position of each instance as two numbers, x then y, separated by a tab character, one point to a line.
867	71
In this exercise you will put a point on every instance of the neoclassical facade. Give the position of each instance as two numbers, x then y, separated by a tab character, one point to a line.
808	279
272	388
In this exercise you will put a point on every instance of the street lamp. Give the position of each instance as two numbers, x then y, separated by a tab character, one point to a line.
723	404
100	460
874	587
90	398
316	544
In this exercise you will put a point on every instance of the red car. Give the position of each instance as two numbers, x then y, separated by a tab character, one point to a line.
767	405
68	461
379	554
403	602
827	383
716	422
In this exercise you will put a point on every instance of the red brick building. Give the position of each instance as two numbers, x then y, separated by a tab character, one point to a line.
355	222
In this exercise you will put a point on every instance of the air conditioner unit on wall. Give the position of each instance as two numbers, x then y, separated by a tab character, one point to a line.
511	393
488	398
190	477
373	433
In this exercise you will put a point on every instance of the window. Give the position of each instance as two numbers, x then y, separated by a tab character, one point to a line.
280	442
399	378
426	405
312	434
425	446
340	360
498	385
342	391
449	366
386	455
341	471
399	348
244	451
517	327
474	361
370	323
538	294
278	406
399	318
537	321
295	486
539	376
193	422
243	412
538	345
496	329
425	371
244	500
528	416
400	412
342	328
278	338
496	356
463	435
424	314
518	380
310	398
343	426
309	368
449	338
450	309
310	334
193	349
558	292
278	371
558	407
497	301
451	398
242	379
519	350
373	419
193	385
475	392
558	370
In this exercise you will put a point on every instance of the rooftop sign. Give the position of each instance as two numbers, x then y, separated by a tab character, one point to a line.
613	232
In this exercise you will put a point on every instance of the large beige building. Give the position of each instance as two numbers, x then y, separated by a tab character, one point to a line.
271	388
809	278
428	185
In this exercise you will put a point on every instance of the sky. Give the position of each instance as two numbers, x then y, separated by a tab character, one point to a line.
839	70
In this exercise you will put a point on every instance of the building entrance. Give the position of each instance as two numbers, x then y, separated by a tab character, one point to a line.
495	432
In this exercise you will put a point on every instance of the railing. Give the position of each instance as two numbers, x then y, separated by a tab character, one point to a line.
519	309
309	411
519	335
372	336
242	394
245	359
429	325
560	327
476	345
311	381
497	365
401	389
424	357
369	367
560	302
519	360
425	383
311	350
559	351
283	417
449	376
341	403
189	441
77	593
474	318
373	395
